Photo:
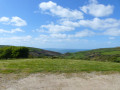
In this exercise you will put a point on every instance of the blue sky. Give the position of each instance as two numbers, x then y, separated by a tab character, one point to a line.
73	24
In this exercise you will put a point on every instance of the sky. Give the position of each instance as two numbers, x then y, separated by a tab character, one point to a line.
68	24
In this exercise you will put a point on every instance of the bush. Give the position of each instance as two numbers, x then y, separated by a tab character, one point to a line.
20	52
5	52
14	52
117	60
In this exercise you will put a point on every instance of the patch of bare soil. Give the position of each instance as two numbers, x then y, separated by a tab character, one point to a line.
81	81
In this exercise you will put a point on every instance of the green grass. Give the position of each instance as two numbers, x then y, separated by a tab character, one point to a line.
56	65
111	53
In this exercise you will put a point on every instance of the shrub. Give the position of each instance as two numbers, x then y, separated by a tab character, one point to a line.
14	52
117	60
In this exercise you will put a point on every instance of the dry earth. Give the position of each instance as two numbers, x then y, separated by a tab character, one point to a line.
81	81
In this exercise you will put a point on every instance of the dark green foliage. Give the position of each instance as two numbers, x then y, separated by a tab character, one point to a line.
13	52
20	52
6	52
117	60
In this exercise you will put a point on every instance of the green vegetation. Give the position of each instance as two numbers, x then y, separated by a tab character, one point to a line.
7	52
56	65
111	53
40	53
105	54
13	52
69	62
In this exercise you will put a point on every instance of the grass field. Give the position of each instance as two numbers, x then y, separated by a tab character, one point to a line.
56	65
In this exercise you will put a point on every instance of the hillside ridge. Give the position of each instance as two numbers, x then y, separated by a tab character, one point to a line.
37	52
102	54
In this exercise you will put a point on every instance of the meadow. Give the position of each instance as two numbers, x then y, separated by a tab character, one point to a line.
55	66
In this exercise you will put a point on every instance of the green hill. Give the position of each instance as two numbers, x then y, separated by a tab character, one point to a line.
103	54
38	53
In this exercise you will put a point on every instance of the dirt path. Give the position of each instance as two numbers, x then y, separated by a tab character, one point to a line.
83	81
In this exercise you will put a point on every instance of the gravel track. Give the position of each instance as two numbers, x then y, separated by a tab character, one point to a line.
41	81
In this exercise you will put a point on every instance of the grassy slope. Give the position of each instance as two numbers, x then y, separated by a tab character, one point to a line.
55	65
105	54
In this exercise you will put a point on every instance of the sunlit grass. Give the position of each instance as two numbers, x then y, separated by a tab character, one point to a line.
111	53
56	65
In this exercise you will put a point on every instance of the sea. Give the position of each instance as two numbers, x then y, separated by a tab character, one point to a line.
65	50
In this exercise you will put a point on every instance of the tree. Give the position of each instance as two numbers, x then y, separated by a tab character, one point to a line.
14	52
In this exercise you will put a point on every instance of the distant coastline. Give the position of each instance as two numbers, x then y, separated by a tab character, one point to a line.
65	50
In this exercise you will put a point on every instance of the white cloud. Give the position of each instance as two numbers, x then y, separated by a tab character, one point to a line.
71	19
16	40
24	38
12	31
59	35
67	25
16	30
112	32
56	28
84	33
96	9
4	19
17	21
43	38
97	23
57	10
